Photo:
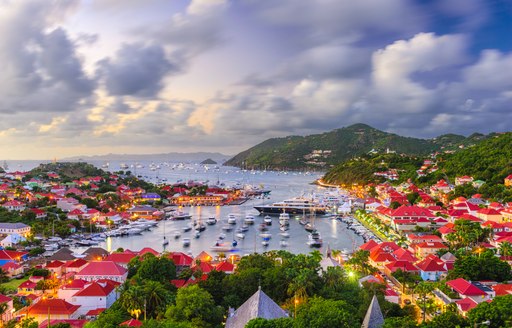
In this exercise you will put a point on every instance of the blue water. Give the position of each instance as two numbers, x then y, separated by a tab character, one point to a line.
282	186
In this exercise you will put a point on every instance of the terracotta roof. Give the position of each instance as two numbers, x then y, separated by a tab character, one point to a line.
412	211
402	265
502	289
54	264
466	304
205	267
78	263
102	268
464	287
4	299
403	254
181	259
488	211
95	312
53	306
28	284
368	245
146	250
75	284
430	245
225	266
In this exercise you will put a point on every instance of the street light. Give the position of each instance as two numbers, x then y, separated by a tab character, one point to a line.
486	323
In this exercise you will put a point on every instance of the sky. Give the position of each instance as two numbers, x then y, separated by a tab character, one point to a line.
86	77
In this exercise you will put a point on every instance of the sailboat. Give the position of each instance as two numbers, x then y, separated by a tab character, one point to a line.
165	242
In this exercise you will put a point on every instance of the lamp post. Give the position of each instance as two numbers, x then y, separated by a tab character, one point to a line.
296	302
486	323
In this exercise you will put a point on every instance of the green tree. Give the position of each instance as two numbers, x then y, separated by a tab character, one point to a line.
402	322
484	266
274	323
447	320
321	313
160	269
195	305
498	312
424	289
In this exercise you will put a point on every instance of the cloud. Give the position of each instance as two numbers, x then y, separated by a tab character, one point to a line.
136	70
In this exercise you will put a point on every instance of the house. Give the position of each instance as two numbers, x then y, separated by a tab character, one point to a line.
422	250
67	291
431	268
75	265
20	228
95	254
467	289
463	180
103	270
12	269
259	305
63	254
99	294
54	308
416	239
489	214
9	308
40	214
12	240
27	287
55	267
14	205
12	256
122	258
144	212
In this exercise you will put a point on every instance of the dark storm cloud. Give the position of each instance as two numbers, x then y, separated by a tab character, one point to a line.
136	70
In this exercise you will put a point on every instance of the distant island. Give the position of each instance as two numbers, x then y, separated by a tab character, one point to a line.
164	157
208	161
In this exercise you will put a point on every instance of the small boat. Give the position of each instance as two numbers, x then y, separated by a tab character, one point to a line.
222	236
284	228
265	243
243	228
165	242
185	242
240	235
177	234
179	215
197	234
211	221
267	220
200	227
266	235
314	239
231	219
221	247
284	218
309	227
285	234
249	219
283	243
234	243
227	227
187	228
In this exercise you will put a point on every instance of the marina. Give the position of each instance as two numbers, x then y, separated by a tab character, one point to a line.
193	229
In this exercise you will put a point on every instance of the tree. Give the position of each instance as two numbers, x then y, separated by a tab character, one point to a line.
195	305
446	320
402	322
413	197
156	298
274	323
498	312
484	266
359	261
505	248
322	313
424	289
160	269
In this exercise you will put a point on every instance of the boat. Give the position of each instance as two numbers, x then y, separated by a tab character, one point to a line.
285	234
231	219
185	242
263	227
266	235
284	228
242	229
314	239
222	236
177	234
267	220
165	242
249	219
309	227
284	218
123	166
188	227
265	243
197	234
222	247
211	221
179	215
234	243
240	235
227	227
295	205
283	243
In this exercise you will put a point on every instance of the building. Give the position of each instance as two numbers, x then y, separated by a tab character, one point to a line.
373	317
20	228
53	308
97	270
14	205
259	305
99	294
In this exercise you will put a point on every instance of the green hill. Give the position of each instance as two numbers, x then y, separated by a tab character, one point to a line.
325	150
68	170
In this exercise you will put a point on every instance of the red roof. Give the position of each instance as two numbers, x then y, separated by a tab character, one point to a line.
412	211
95	312
466	304
52	306
76	211
380	256
96	289
11	255
75	284
4	299
430	264
430	245
124	257
402	265
225	266
488	211
131	323
403	254
28	284
368	245
102	268
78	263
181	259
414	237
54	264
464	287
502	289
205	267
74	323
146	250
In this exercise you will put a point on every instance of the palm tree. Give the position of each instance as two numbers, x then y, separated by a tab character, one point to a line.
156	297
423	289
505	248
132	300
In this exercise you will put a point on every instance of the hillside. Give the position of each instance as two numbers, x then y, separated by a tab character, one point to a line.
490	161
327	149
166	157
68	170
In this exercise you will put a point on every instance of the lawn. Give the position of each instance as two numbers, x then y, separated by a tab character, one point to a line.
13	284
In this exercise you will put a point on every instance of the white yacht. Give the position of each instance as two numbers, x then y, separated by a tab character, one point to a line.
295	205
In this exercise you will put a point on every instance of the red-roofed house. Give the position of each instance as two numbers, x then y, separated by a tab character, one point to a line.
405	266
368	245
403	254
67	291
7	314
463	180
466	304
489	214
226	267
502	289
75	265
422	250
27	287
416	239
204	267
391	296
14	205
55	267
181	260
431	268
121	258
96	295
103	270
467	290
54	308
147	250
12	269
